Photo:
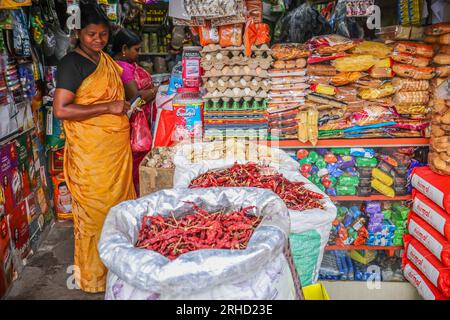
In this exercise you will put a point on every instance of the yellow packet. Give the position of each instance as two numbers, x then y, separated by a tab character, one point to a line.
382	176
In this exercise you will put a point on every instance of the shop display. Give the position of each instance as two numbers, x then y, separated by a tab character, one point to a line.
357	171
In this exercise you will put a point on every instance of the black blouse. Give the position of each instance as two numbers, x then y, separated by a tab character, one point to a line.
72	70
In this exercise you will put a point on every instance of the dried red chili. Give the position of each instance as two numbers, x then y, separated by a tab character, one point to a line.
201	230
294	194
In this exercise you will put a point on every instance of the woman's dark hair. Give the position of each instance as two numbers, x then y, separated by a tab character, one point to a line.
92	13
125	37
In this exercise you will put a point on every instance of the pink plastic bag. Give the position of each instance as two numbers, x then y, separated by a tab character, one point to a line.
141	137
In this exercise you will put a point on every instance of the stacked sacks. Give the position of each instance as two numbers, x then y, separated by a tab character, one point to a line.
237	88
426	260
412	83
439	156
288	89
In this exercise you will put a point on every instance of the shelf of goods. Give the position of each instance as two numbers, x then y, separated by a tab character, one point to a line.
330	143
371	198
153	54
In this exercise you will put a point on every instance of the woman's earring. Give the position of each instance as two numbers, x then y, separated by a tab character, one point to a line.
123	54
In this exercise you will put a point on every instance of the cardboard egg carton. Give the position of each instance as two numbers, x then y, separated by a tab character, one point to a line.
234	50
236	71
252	63
224	83
236	94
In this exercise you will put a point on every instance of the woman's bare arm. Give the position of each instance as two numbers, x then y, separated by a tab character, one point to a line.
65	109
131	90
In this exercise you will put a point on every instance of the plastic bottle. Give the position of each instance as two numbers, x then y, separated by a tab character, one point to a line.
176	78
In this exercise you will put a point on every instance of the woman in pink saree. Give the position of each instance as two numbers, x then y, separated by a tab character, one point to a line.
137	81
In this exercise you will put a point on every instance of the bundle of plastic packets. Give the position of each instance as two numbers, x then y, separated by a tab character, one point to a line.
439	156
288	90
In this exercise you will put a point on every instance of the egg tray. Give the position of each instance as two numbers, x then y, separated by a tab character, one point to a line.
237	73
252	63
237	93
222	85
235	50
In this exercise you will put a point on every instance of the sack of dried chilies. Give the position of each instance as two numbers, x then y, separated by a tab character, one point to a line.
311	211
254	270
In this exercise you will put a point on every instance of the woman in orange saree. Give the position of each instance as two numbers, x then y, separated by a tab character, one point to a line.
90	98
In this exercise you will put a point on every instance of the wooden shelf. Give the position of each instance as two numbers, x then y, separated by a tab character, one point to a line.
333	247
371	198
332	143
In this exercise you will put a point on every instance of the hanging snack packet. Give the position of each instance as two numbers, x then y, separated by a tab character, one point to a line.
230	35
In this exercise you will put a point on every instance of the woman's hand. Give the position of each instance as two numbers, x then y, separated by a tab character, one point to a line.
119	107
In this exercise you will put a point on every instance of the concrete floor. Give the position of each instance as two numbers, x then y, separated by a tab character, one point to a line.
47	275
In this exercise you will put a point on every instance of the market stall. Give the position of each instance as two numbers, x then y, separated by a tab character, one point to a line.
333	117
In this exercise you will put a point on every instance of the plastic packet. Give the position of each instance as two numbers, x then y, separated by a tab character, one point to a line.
415	48
362	152
370	115
385	90
381	72
382	188
407	58
415	98
348	180
344	78
354	63
208	35
382	176
366	162
376	49
328	44
344	190
254	9
409	71
230	35
402	84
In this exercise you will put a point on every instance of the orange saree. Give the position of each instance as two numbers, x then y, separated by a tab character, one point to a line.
97	168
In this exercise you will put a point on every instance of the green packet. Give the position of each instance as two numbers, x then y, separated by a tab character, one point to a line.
345	180
366	162
387	214
401	209
342	190
341	151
